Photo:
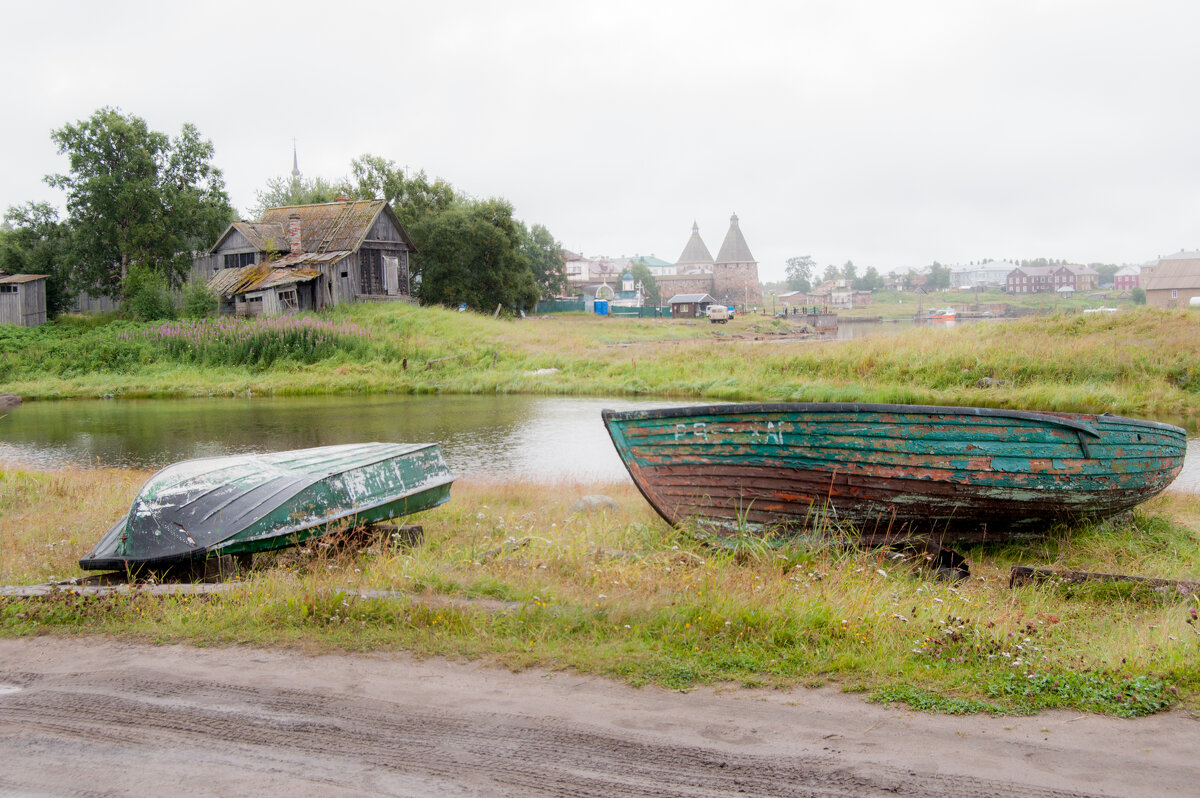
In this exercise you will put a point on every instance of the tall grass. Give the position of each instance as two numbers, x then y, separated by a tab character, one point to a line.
512	574
1134	362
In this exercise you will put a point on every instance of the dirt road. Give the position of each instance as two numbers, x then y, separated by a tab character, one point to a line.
93	717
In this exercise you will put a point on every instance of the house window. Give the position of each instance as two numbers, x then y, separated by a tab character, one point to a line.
288	300
236	260
8	289
1174	293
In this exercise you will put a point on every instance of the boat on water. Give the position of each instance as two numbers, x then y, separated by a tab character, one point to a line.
945	314
244	504
875	472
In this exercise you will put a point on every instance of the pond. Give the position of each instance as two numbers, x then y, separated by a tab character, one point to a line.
537	438
545	439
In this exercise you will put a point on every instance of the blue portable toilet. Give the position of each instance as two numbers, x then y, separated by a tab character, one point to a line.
601	307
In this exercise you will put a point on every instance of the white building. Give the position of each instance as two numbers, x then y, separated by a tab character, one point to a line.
994	273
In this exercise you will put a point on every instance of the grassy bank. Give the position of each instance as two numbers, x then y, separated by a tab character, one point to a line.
1135	362
623	595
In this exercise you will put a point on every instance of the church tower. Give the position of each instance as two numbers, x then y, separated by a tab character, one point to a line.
735	271
695	256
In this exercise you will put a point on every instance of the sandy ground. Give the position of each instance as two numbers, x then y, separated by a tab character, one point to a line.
93	717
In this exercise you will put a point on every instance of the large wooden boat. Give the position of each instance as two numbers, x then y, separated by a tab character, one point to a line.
876	471
250	503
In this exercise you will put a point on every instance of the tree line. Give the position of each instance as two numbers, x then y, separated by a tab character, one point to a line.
801	273
141	204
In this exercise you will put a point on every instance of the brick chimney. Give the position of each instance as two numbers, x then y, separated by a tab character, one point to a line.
294	234
342	198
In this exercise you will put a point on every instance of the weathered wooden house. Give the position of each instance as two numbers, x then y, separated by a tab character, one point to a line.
23	299
309	257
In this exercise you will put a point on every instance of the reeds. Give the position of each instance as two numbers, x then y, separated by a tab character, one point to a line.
1137	362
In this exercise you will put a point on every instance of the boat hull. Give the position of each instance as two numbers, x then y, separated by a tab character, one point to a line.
253	503
877	472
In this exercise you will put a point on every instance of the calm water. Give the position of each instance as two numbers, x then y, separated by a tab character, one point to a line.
544	439
489	437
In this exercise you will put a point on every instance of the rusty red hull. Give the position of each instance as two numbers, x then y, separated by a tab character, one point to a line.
883	471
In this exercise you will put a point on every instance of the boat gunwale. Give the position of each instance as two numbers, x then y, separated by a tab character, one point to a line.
203	552
1042	416
612	419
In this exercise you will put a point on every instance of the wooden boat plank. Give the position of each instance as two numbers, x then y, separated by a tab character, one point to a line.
880	466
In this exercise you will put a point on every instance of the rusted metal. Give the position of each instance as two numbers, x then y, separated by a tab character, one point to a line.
1024	574
876	472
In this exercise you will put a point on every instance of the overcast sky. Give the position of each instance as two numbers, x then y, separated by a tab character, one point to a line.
890	133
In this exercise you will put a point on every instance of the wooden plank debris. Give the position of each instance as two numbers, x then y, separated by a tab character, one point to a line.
1024	574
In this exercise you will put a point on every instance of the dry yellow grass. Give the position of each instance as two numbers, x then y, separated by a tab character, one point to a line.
620	592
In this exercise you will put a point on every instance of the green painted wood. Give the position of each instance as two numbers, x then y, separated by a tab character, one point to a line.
892	464
252	503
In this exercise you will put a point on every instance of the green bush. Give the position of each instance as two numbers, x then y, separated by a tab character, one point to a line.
199	302
149	299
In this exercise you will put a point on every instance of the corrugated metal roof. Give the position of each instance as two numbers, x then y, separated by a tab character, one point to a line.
329	226
680	299
21	278
735	249
650	260
1177	273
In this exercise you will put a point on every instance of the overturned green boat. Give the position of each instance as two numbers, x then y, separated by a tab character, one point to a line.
244	504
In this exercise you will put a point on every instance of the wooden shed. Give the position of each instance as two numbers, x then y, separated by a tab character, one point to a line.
336	252
690	306
23	299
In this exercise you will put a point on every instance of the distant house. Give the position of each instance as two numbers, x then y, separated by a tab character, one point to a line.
1030	279
1174	283
834	293
1127	278
689	306
309	257
23	299
657	266
1078	276
985	275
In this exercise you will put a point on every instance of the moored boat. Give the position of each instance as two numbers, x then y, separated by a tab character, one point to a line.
945	314
250	503
882	471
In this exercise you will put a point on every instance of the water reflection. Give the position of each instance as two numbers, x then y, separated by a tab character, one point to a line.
543	439
491	437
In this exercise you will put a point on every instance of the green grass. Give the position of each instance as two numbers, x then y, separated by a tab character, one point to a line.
1136	362
508	574
623	594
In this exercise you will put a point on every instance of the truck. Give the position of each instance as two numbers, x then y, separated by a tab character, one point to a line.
718	314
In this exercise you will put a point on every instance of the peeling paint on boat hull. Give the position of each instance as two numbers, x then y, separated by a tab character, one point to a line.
252	503
889	470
